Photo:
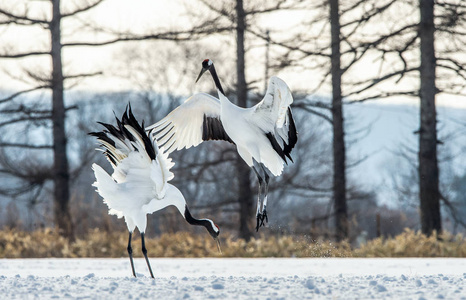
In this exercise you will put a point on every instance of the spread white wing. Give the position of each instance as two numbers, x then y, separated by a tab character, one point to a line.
276	101
275	109
191	123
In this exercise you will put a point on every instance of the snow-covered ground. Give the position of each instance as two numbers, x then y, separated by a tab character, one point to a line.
232	278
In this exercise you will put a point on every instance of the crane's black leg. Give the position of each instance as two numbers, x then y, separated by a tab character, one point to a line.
264	205
144	251
258	211
130	252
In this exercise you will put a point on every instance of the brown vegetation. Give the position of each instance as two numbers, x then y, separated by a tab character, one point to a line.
48	243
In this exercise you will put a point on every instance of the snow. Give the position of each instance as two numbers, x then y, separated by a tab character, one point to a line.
235	278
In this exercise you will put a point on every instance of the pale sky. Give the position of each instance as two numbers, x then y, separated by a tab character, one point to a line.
142	16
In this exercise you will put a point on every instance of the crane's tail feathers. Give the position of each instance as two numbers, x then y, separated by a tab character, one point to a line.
126	137
160	171
135	157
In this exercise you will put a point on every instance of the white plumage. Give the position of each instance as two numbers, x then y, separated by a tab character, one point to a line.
246	127
264	134
182	128
139	183
137	180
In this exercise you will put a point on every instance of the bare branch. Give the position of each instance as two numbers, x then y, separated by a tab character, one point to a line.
313	111
384	95
39	76
81	9
28	146
451	5
22	109
220	11
453	211
368	15
313	103
382	38
25	119
459	67
280	5
177	36
376	81
286	45
26	54
82	75
19	19
13	96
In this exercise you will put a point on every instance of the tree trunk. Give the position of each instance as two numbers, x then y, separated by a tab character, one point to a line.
428	167
60	165
243	172
339	168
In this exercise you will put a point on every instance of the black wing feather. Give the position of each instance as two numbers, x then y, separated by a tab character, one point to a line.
212	129
140	129
276	146
287	145
292	136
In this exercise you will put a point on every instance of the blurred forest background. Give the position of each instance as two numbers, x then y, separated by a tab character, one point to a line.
379	103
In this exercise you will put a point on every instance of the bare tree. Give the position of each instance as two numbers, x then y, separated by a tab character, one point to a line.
439	69
243	171
428	166
339	157
60	170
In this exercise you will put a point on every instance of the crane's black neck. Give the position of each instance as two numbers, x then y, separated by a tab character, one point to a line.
208	224
191	220
216	80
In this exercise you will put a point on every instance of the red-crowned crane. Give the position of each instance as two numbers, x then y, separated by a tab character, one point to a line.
264	134
139	183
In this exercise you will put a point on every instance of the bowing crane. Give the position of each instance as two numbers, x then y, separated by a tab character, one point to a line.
139	183
264	134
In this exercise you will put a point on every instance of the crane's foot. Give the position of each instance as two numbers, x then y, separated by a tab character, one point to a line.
259	220
264	217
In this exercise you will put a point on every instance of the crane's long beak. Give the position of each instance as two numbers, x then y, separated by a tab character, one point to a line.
218	245
200	74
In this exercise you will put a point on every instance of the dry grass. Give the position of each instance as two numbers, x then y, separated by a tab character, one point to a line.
48	243
414	244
